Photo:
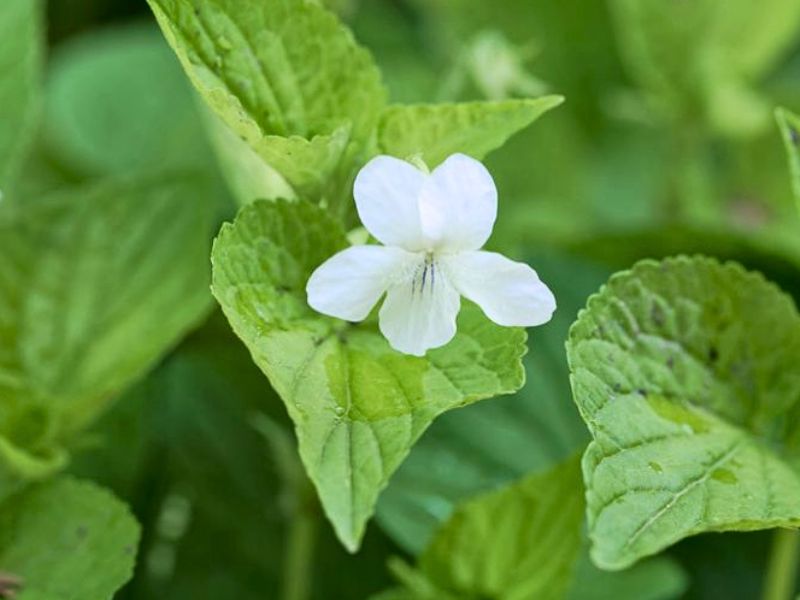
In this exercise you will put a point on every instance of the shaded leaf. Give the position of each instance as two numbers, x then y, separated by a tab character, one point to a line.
702	57
67	539
516	543
117	102
95	285
21	58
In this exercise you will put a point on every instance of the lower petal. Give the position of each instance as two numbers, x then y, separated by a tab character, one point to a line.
510	293
350	283
420	313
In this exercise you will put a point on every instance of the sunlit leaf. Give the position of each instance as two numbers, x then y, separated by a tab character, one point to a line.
686	373
358	406
286	77
435	131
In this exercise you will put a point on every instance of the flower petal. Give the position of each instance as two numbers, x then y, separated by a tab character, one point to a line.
351	282
510	293
458	204
420	312
386	191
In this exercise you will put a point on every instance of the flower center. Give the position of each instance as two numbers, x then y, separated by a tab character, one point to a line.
424	276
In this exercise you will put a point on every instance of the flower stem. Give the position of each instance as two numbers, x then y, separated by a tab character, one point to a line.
299	556
781	580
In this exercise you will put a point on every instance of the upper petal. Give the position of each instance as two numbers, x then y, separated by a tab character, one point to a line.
510	293
351	282
420	312
458	204
387	191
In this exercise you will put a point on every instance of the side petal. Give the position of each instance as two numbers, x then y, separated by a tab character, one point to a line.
351	282
510	293
386	191
420	312
458	204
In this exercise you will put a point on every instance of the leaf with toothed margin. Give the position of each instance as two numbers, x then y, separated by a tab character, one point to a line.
789	124
686	372
435	131
358	406
285	76
67	539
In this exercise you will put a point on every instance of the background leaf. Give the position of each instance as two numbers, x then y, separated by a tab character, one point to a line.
701	57
358	406
97	284
104	114
21	58
67	539
685	372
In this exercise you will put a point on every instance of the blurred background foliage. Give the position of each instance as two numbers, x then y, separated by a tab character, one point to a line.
648	157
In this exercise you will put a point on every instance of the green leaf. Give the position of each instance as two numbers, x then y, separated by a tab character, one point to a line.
97	122
358	406
435	131
516	543
95	285
67	539
686	373
530	431
21	58
789	124
286	77
702	57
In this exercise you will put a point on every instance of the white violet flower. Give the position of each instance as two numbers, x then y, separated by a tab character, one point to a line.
432	227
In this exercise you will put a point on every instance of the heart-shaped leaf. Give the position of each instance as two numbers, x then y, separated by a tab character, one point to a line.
358	406
687	374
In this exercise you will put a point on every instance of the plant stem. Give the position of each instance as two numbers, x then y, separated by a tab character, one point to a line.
299	555
781	580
